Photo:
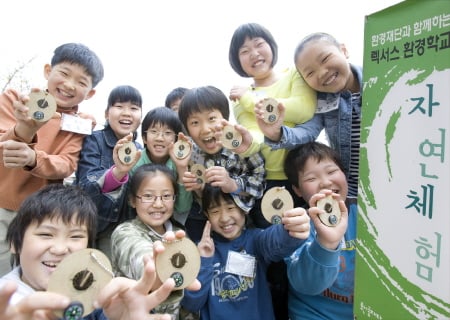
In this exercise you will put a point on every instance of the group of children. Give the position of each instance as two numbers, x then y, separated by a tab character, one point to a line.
250	268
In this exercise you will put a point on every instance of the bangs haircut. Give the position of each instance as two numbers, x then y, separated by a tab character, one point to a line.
164	117
124	94
250	31
213	197
53	202
296	159
174	95
203	99
150	170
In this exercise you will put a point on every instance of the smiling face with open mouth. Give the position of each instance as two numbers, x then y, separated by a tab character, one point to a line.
324	66
154	201
124	118
201	128
157	140
69	84
255	56
226	219
45	245
319	175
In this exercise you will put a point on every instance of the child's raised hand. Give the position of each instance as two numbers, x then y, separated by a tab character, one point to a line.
206	243
121	168
181	163
272	131
38	305
26	126
247	137
88	116
328	237
21	110
169	236
297	222
218	131
219	177
158	248
237	92
128	299
190	182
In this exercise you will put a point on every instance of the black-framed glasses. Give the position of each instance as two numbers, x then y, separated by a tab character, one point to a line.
150	198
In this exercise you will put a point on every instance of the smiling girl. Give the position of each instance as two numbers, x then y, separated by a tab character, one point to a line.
99	171
161	128
152	192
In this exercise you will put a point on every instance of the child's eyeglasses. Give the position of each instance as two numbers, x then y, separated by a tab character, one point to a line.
150	198
164	134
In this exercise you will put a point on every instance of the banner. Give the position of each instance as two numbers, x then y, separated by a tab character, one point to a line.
403	248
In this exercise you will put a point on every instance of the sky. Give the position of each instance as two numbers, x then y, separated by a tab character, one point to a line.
156	46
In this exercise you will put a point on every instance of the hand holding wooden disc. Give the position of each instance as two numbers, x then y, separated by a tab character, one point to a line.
42	106
231	138
274	203
80	276
179	261
181	149
271	112
332	214
199	172
127	152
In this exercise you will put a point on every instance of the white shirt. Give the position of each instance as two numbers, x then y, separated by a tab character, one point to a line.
23	289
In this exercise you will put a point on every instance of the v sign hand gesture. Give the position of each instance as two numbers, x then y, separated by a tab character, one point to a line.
206	243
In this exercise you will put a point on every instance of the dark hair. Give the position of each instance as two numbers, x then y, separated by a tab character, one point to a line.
251	31
77	53
150	169
54	201
161	116
124	93
174	95
213	196
322	36
206	98
296	159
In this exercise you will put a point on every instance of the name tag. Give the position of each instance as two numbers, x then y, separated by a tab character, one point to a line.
327	102
75	124
241	264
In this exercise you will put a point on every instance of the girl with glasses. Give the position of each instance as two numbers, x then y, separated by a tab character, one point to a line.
152	192
161	128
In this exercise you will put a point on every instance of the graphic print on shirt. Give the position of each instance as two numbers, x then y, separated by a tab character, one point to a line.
228	286
344	293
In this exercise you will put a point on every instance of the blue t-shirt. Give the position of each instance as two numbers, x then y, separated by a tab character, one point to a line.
322	281
227	295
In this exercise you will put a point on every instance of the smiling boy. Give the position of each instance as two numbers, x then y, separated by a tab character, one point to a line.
321	274
34	153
